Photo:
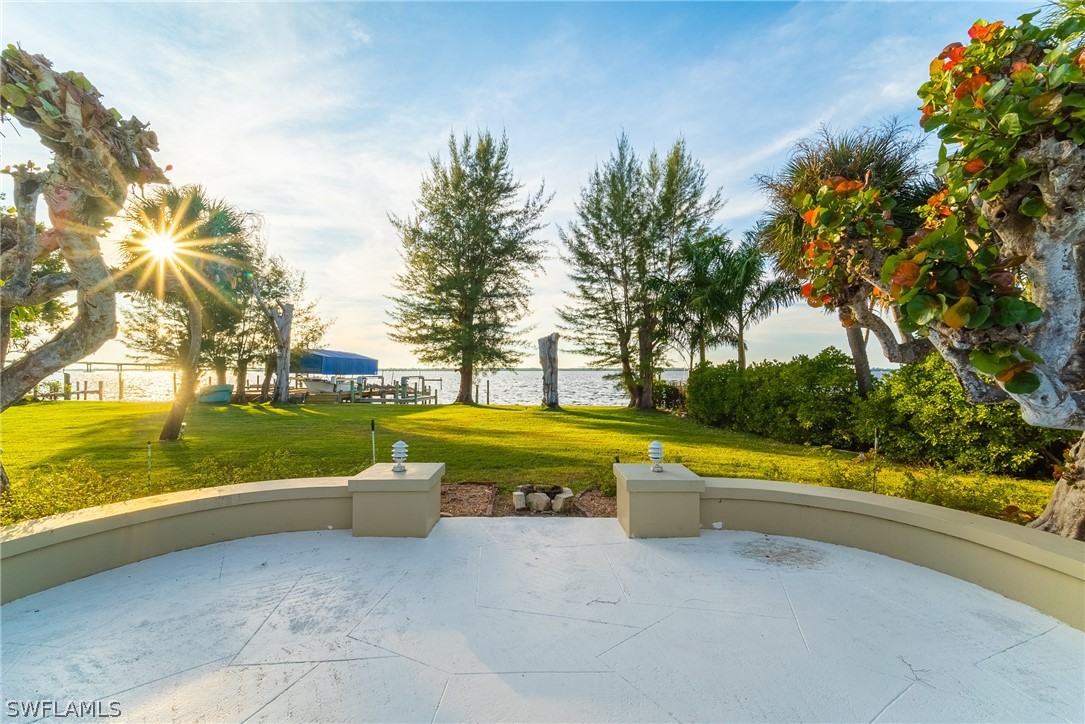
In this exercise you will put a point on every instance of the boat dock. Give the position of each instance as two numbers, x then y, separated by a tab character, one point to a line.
405	392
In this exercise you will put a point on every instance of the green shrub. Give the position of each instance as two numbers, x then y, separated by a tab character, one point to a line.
919	414
807	400
715	394
1007	499
922	415
668	396
993	498
860	473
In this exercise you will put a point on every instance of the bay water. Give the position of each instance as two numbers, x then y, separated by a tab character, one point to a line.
506	387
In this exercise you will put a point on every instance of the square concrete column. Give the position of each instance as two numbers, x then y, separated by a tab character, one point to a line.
659	505
397	505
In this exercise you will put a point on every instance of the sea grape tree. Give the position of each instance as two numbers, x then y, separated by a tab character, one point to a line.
97	156
995	277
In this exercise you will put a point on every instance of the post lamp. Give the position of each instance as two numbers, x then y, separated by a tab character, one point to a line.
399	456
655	454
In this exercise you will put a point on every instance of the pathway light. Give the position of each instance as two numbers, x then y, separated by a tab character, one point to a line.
655	454
399	455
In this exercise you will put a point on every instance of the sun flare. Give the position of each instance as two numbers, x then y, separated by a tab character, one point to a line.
160	247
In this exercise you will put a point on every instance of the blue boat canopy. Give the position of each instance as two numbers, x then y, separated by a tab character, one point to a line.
330	362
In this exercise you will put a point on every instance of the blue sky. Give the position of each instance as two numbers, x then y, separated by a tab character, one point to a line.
322	116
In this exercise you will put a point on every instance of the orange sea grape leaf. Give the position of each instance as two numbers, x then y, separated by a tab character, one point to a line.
1010	373
906	274
983	32
846	187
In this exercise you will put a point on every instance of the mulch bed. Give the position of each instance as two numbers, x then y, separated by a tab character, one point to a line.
482	500
593	504
468	499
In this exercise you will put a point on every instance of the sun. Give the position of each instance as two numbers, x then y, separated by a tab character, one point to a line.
160	247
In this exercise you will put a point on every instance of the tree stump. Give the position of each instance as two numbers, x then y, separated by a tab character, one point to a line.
548	355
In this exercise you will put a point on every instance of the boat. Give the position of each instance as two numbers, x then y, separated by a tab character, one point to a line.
215	394
332	384
318	385
330	372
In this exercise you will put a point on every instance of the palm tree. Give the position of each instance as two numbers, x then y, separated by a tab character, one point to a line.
186	248
722	292
700	297
884	156
753	295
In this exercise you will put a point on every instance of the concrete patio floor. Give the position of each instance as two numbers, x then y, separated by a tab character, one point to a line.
512	619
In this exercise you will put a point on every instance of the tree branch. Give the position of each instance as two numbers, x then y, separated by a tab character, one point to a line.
906	352
96	159
978	390
28	186
46	242
41	291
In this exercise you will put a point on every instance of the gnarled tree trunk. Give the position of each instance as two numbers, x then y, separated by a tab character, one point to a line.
1065	512
265	386
282	318
281	315
96	158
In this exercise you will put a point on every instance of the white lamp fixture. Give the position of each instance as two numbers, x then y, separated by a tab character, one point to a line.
655	454
399	456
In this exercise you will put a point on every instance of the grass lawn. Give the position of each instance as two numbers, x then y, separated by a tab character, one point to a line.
68	455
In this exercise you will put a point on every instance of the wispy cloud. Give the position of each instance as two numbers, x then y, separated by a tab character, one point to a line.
323	116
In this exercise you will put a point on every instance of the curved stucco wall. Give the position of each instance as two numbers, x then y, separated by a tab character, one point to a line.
1041	570
43	553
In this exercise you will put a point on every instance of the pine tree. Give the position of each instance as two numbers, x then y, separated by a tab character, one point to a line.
468	252
625	254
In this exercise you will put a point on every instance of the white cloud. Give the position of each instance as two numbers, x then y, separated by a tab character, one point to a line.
359	34
293	110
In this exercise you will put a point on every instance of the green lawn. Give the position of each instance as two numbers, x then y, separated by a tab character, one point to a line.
68	455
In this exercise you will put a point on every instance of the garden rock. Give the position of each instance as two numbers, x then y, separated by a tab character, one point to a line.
538	501
563	501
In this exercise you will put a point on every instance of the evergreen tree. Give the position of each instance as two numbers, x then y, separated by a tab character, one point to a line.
612	221
625	250
467	253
